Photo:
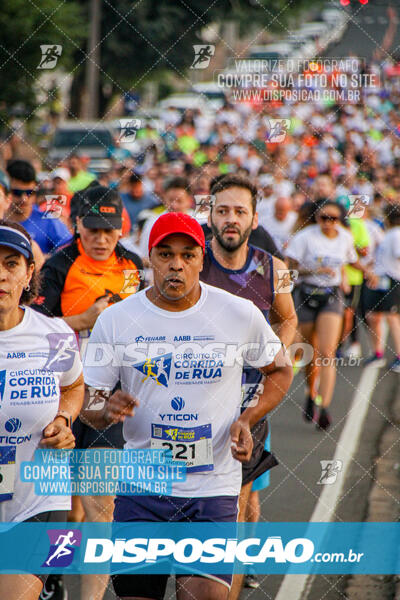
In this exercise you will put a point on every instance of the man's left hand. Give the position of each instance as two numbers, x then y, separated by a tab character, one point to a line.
242	441
57	435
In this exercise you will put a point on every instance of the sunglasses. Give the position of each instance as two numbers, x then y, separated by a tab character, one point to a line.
328	218
19	193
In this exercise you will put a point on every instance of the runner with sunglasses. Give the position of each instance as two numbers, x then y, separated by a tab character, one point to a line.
319	253
49	234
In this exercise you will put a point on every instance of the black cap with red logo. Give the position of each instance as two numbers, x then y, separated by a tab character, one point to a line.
101	209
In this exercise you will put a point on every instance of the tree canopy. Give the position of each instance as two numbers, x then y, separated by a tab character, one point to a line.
140	40
24	27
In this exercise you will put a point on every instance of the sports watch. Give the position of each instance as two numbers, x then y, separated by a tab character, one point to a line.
67	417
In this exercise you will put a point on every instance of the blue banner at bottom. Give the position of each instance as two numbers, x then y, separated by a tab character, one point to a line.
202	548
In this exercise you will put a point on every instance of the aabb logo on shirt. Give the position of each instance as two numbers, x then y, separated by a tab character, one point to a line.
157	368
16	355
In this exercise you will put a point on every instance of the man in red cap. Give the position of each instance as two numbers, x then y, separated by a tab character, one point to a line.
181	370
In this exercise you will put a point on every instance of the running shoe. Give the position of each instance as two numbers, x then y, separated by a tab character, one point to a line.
251	581
324	419
309	408
375	361
395	366
354	350
54	589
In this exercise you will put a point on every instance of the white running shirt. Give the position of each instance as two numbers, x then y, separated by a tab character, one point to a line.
312	250
177	365
388	254
280	231
37	356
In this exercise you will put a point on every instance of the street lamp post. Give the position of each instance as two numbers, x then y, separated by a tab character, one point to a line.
91	103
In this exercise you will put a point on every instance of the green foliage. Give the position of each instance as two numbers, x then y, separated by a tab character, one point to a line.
142	39
24	26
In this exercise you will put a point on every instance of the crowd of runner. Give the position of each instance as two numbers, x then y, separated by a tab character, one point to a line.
304	232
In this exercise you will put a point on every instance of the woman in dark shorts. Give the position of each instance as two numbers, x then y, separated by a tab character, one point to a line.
384	299
319	253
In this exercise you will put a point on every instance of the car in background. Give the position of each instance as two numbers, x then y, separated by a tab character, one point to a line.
303	47
211	92
320	32
278	51
185	101
337	19
93	139
332	15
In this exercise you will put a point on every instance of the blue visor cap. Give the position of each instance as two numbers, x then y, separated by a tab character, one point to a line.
16	240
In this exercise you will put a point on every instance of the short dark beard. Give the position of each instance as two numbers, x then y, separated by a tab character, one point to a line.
233	245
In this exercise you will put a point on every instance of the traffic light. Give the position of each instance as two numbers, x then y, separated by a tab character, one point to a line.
347	2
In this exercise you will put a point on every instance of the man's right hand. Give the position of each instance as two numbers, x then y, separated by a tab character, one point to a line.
120	405
95	310
325	271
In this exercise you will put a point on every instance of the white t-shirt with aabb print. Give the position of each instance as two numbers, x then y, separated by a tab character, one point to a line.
37	356
183	368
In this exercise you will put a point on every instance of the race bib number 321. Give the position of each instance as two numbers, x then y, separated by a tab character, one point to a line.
192	446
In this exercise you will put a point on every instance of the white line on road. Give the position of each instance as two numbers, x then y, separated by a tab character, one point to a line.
292	585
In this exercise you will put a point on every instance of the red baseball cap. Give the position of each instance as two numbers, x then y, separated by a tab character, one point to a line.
173	222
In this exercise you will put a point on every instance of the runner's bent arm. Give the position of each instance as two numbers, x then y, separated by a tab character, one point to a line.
100	379
278	380
119	406
276	383
58	434
294	264
87	319
366	271
283	316
71	399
